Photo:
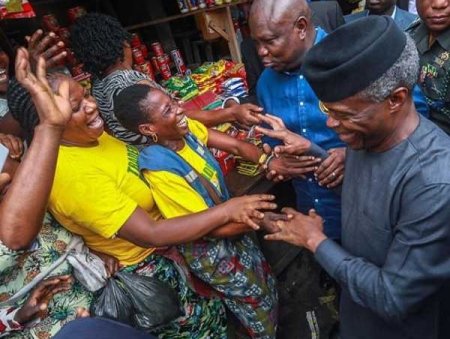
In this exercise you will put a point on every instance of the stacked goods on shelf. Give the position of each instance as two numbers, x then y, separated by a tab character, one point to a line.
158	62
140	57
184	87
228	161
243	166
17	9
193	5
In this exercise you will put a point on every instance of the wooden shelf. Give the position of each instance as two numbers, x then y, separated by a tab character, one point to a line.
183	15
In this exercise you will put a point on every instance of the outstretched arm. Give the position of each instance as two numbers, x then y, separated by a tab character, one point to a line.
32	183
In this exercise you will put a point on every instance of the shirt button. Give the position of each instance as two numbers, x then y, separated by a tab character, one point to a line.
301	103
301	77
304	130
310	179
316	201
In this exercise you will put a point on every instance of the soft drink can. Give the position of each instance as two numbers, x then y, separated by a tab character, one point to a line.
135	40
144	50
157	49
178	61
147	69
155	64
210	3
137	55
202	3
164	67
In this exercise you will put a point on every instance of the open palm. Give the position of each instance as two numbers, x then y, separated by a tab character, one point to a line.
53	108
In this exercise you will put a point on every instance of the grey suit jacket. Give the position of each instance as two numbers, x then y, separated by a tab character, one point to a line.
402	18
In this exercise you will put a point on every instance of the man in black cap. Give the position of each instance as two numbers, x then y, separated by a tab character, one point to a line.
394	263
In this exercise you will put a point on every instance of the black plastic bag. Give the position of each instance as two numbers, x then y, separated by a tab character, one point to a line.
155	302
114	303
143	302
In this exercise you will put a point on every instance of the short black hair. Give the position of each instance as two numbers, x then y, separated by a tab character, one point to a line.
129	108
97	41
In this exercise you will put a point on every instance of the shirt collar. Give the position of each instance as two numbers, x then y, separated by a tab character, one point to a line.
394	12
422	38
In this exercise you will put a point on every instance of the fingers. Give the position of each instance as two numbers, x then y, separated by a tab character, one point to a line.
248	221
279	236
267	149
64	89
34	39
330	174
273	121
338	181
264	205
5	179
290	211
271	133
324	166
276	216
41	45
13	144
56	59
41	70
252	107
82	313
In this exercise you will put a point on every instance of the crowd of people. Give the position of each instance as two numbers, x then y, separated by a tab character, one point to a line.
356	117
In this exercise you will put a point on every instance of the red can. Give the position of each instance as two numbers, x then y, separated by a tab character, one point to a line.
178	61
147	69
138	57
144	50
157	49
75	12
50	23
210	3
163	65
155	64
135	40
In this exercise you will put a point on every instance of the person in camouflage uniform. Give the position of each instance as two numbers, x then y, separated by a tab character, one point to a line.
431	34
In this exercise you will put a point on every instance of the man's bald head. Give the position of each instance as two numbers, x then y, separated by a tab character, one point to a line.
277	11
283	32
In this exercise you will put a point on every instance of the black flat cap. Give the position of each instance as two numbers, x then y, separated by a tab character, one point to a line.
353	56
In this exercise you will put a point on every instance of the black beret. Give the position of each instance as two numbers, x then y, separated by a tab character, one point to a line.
353	56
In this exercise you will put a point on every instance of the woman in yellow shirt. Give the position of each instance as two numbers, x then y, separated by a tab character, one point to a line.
99	194
185	178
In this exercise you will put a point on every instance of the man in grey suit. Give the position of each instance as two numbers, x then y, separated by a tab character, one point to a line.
384	7
393	263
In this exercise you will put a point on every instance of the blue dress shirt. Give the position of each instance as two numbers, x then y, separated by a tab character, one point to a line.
288	95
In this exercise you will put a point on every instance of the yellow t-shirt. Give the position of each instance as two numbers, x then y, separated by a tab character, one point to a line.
96	190
172	193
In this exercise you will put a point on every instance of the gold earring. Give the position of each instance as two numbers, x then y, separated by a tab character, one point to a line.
154	137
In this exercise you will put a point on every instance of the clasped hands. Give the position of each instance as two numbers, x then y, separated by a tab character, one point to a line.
291	160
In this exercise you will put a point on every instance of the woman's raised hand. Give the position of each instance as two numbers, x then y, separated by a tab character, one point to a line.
53	107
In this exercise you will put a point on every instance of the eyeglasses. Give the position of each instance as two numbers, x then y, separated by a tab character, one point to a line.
361	115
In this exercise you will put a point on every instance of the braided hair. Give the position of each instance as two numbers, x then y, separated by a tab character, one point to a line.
97	41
